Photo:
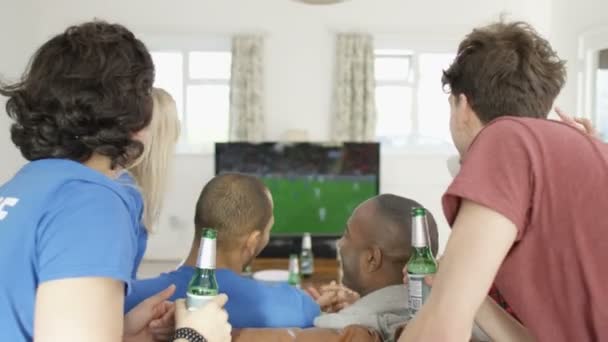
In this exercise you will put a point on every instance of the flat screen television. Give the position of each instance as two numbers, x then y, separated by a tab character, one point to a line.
315	186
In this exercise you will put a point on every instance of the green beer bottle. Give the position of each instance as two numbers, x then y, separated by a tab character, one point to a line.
421	263
294	271
307	259
203	285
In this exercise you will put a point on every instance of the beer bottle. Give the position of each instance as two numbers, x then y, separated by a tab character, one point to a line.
203	285
421	263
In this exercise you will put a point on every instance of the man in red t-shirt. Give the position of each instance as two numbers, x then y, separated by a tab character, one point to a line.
526	208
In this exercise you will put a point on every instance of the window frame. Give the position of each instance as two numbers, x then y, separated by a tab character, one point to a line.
186	44
418	43
412	83
590	43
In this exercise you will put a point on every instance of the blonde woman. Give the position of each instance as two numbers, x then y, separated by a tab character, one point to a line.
146	180
147	177
152	169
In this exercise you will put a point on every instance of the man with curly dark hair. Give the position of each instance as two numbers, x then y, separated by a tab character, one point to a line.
527	206
87	92
67	228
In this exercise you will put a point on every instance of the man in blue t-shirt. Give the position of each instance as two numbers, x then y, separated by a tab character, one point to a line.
54	225
240	208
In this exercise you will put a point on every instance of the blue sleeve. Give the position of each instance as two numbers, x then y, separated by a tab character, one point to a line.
252	304
136	205
144	288
87	232
130	185
310	308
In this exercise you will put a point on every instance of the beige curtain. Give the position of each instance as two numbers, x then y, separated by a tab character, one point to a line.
246	89
354	117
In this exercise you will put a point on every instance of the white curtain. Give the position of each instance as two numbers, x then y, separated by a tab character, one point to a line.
247	89
354	117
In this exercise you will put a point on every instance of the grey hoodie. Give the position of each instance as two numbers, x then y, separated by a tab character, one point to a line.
384	310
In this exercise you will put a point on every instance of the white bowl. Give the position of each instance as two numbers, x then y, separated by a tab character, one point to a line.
272	276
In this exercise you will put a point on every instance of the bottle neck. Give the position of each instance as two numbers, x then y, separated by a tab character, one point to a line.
422	252
207	254
420	234
306	242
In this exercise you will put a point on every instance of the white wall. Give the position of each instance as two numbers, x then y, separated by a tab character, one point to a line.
299	67
16	39
569	21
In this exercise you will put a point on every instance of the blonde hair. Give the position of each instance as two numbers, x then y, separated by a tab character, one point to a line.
151	170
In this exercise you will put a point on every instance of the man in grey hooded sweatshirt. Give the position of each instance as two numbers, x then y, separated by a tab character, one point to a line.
373	250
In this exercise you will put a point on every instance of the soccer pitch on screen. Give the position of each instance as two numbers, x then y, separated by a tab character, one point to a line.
319	205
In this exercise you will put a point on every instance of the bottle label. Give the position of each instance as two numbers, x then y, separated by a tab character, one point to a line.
418	292
307	266
206	257
195	302
420	234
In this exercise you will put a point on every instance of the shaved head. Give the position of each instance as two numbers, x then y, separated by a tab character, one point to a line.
394	214
376	244
235	205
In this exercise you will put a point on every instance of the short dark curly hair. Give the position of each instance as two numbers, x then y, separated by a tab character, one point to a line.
506	68
85	91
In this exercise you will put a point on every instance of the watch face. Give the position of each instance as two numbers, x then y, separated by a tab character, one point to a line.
189	335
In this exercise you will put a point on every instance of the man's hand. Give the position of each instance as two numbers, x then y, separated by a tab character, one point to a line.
428	279
211	320
582	124
333	297
460	290
162	329
151	320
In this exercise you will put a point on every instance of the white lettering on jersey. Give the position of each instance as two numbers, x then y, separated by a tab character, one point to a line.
6	202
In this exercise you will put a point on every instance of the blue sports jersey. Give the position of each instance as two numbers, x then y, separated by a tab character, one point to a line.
251	303
126	179
59	219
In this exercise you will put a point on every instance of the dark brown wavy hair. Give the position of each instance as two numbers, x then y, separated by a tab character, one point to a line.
506	68
85	91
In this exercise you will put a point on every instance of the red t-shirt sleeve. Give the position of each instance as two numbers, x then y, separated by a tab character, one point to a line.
497	172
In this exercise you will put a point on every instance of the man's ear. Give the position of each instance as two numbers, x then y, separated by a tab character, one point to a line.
465	108
251	243
373	260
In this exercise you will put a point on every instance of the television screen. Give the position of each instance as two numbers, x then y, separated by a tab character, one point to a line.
315	187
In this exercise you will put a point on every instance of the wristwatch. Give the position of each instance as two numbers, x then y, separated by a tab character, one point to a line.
189	335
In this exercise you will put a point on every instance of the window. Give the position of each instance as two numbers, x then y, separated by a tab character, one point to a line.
199	81
411	104
601	93
592	79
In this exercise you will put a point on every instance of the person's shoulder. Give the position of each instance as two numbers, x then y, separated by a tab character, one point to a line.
88	202
510	131
237	284
126	178
130	187
181	275
71	179
230	280
524	126
102	195
513	124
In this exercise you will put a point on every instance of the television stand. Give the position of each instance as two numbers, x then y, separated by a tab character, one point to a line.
323	247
